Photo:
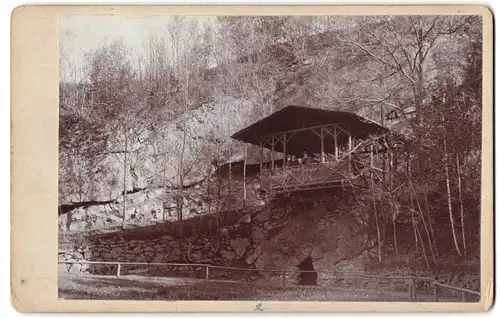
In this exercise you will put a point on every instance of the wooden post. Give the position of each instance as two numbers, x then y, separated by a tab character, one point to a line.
284	150
230	177
411	291
118	270
381	110
207	271
350	155
436	297
336	144
371	162
283	280
261	161
464	297
244	176
272	153
322	146
385	164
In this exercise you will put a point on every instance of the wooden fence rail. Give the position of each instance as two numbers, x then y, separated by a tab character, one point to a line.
410	279
463	291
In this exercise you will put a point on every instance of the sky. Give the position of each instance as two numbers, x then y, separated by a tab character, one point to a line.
81	33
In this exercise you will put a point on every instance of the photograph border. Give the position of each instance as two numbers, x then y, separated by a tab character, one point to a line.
34	161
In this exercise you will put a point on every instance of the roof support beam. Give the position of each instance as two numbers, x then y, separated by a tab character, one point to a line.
340	126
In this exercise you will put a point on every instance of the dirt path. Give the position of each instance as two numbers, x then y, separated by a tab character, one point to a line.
147	288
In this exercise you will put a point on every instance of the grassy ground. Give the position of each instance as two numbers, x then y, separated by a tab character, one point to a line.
142	288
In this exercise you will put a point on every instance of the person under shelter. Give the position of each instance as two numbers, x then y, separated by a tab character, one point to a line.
307	160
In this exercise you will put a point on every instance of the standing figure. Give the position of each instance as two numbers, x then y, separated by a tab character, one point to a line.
307	160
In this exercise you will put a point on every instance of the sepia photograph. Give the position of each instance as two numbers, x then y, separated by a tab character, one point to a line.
270	158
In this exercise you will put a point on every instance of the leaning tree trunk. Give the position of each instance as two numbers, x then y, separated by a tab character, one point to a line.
459	173
448	190
413	223
421	214
423	247
448	196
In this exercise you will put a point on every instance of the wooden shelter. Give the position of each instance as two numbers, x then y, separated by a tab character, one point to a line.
312	148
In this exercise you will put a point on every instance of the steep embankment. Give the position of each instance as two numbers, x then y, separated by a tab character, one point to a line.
151	177
279	236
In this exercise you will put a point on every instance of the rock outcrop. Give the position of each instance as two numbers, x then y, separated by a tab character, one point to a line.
278	238
207	128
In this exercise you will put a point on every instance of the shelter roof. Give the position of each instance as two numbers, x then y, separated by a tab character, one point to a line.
297	117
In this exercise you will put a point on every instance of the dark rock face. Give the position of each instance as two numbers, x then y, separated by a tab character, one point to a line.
319	236
301	235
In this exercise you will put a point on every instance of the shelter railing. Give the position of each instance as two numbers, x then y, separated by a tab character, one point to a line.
306	174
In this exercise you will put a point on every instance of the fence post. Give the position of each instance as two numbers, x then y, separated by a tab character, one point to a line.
411	290
436	297
283	282
207	273
464	298
118	270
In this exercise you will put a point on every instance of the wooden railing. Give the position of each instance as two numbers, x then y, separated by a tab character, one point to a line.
463	291
289	177
354	277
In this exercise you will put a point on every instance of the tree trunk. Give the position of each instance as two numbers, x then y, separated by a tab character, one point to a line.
217	210
459	173
378	230
69	218
164	184
394	207
395	235
423	247
412	205
180	185
428	215
448	190
414	224
125	177
374	203
422	217
209	196
426	206
448	196
419	88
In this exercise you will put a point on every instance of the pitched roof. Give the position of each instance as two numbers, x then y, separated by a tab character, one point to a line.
296	117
